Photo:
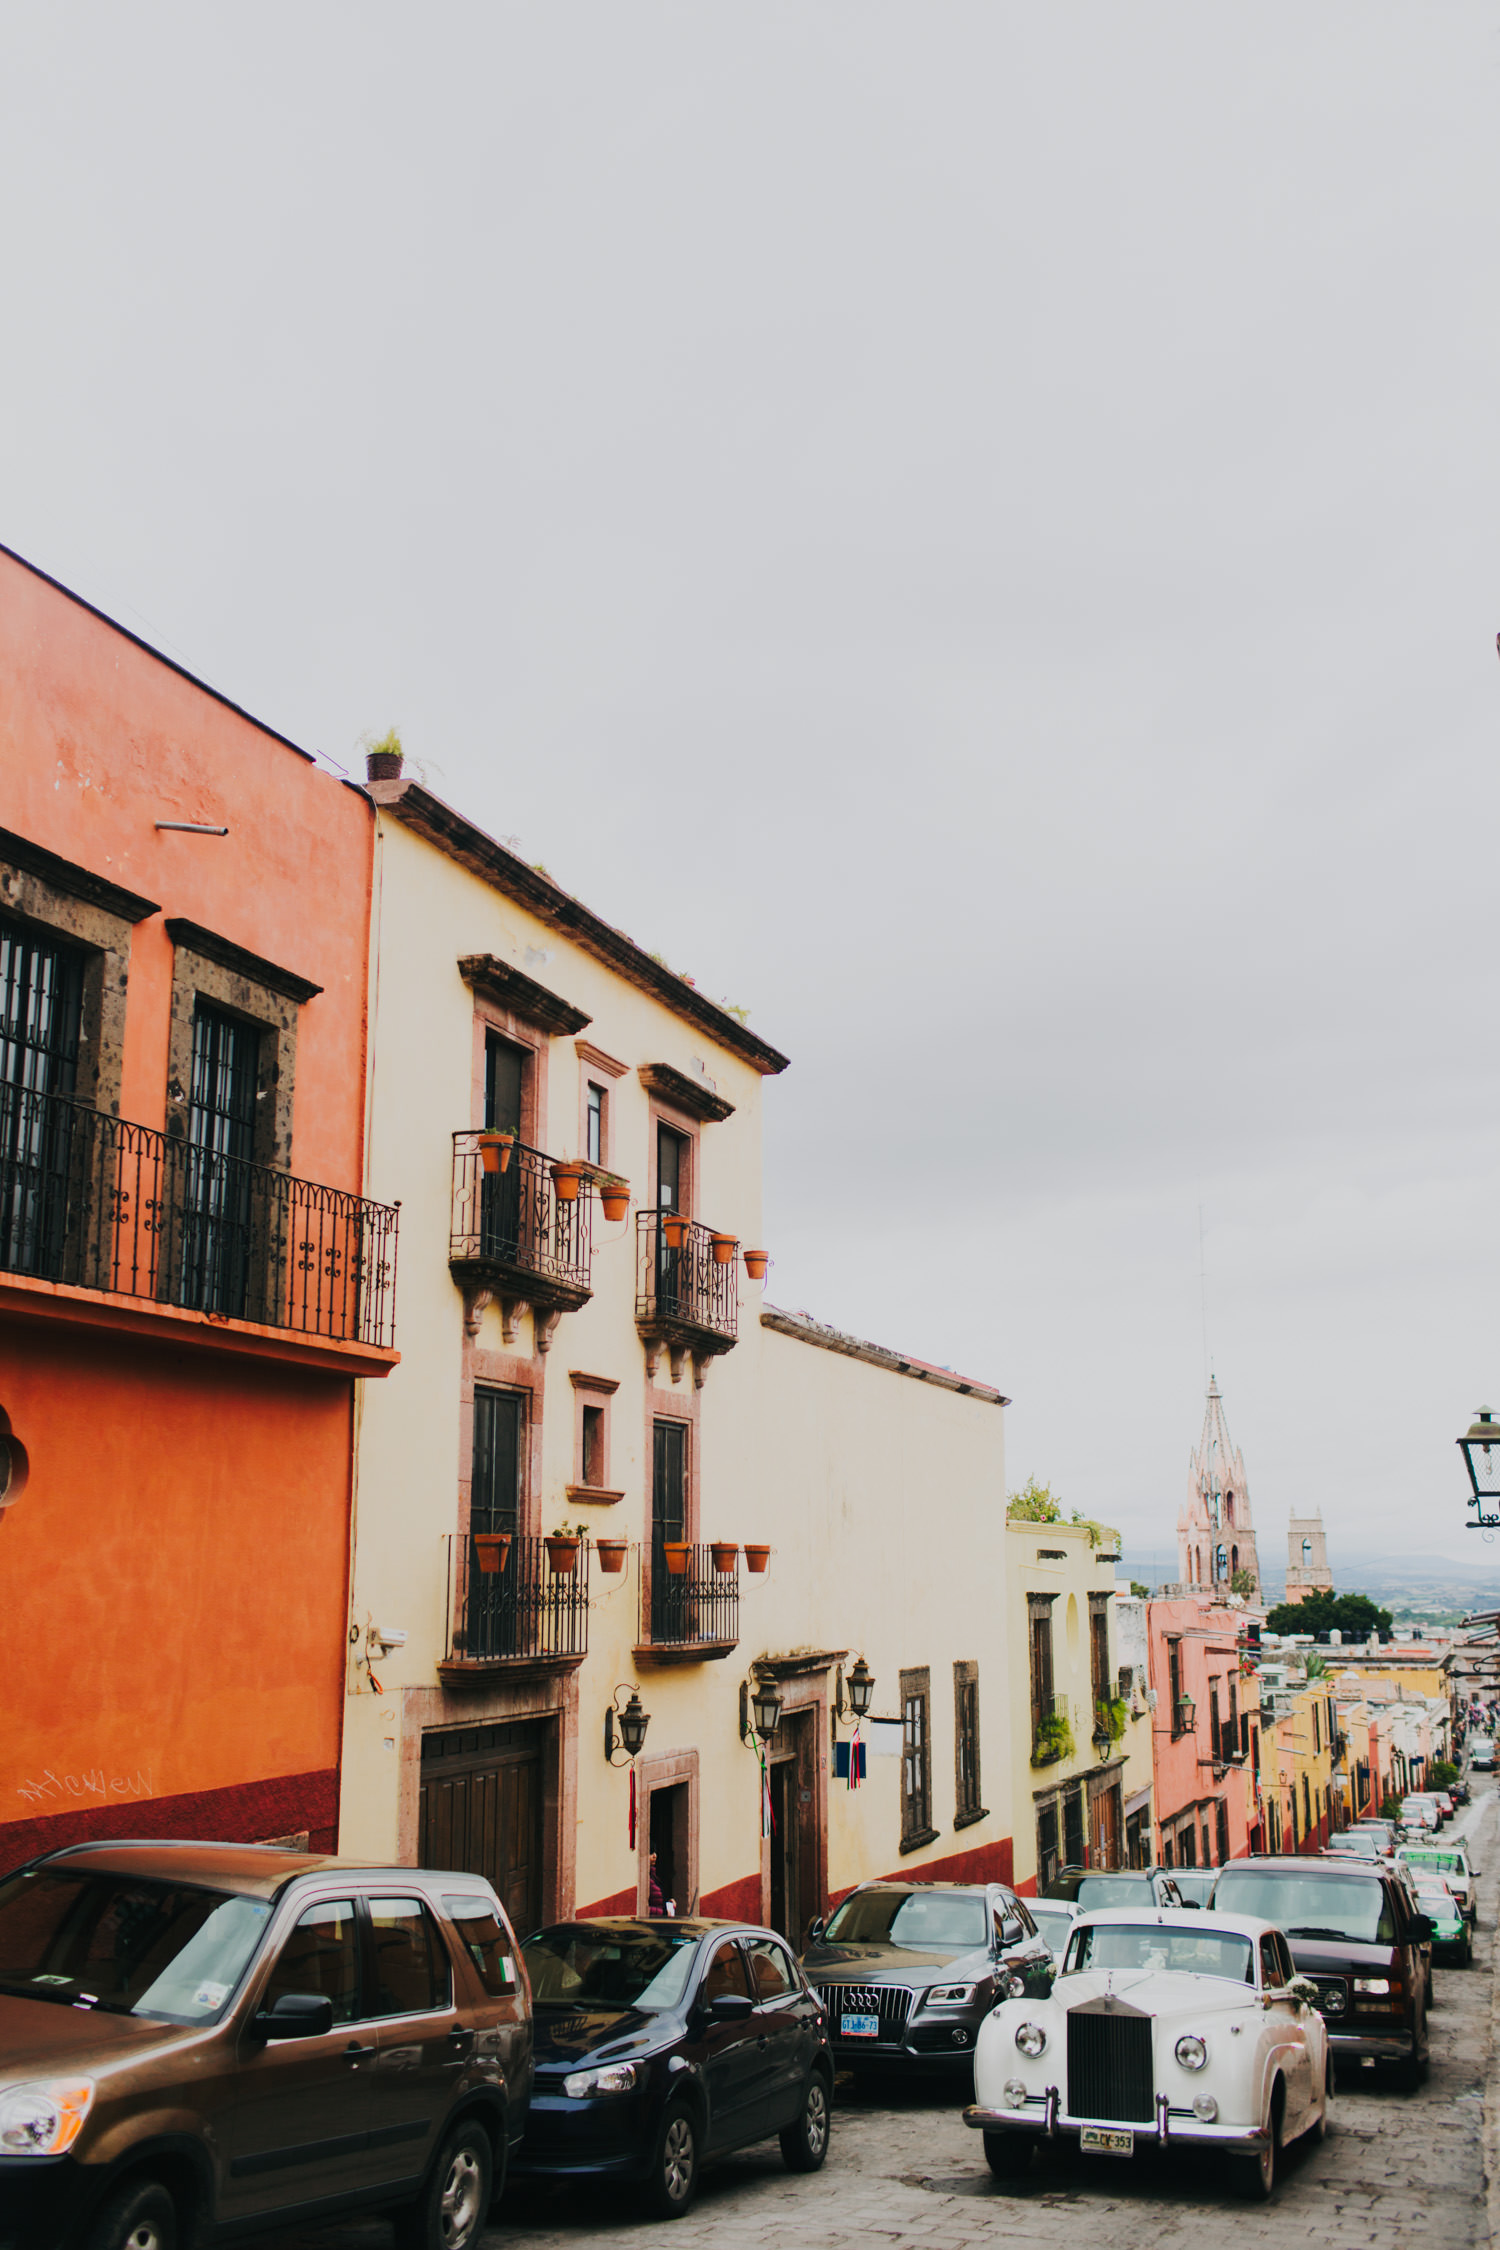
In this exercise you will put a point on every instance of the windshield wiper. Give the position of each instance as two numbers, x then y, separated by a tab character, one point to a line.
1309	1929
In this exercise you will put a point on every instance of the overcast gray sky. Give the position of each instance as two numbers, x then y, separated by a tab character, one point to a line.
971	529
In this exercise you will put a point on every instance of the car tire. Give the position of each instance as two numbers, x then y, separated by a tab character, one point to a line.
1008	2155
140	2216
454	2206
1257	2174
672	2181
804	2143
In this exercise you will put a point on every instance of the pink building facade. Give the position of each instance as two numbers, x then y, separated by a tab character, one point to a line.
1205	1733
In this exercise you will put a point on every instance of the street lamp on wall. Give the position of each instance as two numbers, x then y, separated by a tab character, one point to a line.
856	1693
760	1707
1480	1447
633	1722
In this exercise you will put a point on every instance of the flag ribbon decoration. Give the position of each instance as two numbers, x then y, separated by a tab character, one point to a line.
767	1819
856	1758
632	1804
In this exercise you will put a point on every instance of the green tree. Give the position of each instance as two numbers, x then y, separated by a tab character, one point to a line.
1243	1582
1353	1615
1141	1593
1035	1505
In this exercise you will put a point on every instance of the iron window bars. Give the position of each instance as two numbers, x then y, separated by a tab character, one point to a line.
516	1221
694	1608
523	1611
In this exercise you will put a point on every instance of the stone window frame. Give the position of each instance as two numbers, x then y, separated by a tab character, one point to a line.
916	1804
66	901
969	1802
208	967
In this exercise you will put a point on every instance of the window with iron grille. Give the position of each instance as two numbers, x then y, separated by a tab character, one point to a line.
1174	1686
495	1492
1099	1646
1215	1733
967	1804
916	1760
1223	1822
41	986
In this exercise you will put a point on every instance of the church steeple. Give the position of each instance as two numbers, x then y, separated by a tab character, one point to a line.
1215	1531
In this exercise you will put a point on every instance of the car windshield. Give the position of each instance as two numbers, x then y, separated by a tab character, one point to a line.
1448	1862
1053	1927
578	1967
125	1943
1349	1906
1114	1890
1361	1847
923	1921
1121	1945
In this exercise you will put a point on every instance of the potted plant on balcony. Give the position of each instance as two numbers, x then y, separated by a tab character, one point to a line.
756	1262
725	1553
562	1547
494	1150
675	1229
725	1246
492	1549
614	1194
611	1553
756	1558
677	1552
566	1181
1054	1739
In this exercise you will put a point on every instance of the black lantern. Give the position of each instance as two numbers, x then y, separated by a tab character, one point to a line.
1103	1739
1480	1447
633	1722
765	1706
861	1686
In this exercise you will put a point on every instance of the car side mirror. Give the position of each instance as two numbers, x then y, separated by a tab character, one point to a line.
816	1930
295	2015
730	2007
1011	1932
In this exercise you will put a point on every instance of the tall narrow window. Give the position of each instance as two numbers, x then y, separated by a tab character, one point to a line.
1174	1684
916	1760
505	1205
968	1803
216	1245
669	1521
1232	1734
1099	1647
1040	1606
1215	1736
1073	1831
593	1446
594	1108
496	1600
41	987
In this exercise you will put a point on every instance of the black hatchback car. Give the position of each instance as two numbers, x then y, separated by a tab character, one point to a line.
659	2043
909	1971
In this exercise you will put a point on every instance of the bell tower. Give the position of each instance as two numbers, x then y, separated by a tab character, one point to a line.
1307	1570
1215	1531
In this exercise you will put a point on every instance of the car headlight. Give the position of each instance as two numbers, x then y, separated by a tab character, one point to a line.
1372	1984
1205	2108
949	1995
615	2078
45	2116
1030	2038
1015	2094
1016	1986
1191	2051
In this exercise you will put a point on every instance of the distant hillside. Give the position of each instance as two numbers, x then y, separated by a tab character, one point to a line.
1420	1582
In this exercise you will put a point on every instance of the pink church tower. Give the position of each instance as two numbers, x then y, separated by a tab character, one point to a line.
1215	1531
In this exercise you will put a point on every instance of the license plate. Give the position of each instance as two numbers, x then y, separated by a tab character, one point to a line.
859	2027
1103	2142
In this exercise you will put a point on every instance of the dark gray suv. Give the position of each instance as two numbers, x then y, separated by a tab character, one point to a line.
908	1971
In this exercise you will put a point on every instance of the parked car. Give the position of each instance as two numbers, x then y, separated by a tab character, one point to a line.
196	2037
1359	1843
1194	1885
1171	2025
1482	1753
1384	1829
662	2042
1355	1933
1445	1803
1451	1862
1054	1919
1088	1888
909	1971
1421	1812
1451	1940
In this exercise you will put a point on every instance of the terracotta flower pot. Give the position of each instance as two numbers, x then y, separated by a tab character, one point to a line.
492	1549
675	1228
725	1246
566	1179
383	765
611	1553
615	1201
756	1262
676	1552
756	1558
724	1552
494	1150
562	1555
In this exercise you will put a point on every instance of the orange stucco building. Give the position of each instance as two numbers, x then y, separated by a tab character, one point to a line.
191	1285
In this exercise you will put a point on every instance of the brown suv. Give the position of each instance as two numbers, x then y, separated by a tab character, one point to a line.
198	2040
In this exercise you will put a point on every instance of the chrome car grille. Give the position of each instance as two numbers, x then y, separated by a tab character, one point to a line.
1110	2068
890	2002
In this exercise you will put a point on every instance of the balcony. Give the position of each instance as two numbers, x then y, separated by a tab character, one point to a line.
518	1616
1051	1734
691	1617
91	1203
686	1301
515	1240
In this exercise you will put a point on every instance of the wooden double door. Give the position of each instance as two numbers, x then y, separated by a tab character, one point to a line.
483	1794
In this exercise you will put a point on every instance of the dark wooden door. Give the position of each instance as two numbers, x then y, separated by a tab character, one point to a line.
481	1811
217	1218
503	1195
671	1594
794	1831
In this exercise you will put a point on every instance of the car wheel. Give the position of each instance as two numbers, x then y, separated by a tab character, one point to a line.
673	2178
453	2206
804	2144
142	2216
1008	2155
1258	2172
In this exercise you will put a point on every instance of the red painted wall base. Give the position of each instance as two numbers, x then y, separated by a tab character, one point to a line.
246	1814
619	1902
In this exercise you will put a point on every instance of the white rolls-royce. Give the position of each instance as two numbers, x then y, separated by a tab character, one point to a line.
1172	2025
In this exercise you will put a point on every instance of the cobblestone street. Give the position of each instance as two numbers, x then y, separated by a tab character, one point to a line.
905	2174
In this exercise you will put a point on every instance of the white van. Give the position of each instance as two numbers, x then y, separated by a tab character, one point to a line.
1482	1753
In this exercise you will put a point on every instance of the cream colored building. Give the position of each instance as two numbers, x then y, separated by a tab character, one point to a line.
1072	1733
562	1370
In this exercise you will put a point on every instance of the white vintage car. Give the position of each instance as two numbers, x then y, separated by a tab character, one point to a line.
1172	2025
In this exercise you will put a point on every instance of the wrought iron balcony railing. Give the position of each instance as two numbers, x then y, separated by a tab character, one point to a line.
513	1230
90	1200
507	1607
682	1290
695	1609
